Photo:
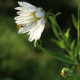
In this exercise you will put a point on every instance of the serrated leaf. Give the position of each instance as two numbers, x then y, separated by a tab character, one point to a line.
59	43
75	22
67	33
58	56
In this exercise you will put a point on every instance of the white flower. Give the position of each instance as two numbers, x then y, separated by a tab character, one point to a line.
32	20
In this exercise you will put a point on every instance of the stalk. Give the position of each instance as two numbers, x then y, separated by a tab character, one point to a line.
79	22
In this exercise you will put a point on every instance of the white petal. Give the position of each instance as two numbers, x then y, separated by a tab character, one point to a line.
22	20
21	8
25	9
38	10
21	13
40	23
35	43
25	4
35	33
39	13
27	28
29	23
24	17
31	10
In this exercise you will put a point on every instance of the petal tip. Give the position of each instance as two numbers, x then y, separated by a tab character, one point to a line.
35	43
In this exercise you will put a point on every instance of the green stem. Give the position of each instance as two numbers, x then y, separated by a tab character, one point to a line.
66	79
68	51
63	37
68	47
53	26
67	44
78	30
79	22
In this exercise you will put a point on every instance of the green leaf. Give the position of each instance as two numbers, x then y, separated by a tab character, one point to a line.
72	44
67	33
78	50
58	56
57	14
75	22
59	43
54	24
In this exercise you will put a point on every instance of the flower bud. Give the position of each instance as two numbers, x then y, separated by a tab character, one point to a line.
66	72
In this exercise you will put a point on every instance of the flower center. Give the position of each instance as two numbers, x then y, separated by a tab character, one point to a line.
36	18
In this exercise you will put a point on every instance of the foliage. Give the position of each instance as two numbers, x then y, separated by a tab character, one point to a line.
19	60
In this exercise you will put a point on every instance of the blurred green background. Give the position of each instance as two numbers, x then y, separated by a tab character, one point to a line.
19	59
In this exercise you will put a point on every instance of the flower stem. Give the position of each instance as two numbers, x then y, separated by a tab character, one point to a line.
79	22
63	36
68	47
67	44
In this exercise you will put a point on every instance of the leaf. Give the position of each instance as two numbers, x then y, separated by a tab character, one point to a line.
78	50
75	22
57	14
59	43
67	33
58	56
54	24
72	44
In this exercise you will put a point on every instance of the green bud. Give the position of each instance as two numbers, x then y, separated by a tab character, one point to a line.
66	72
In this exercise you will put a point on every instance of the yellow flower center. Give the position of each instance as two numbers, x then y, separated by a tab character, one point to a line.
35	16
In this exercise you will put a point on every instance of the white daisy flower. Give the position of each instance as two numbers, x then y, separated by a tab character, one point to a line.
31	19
